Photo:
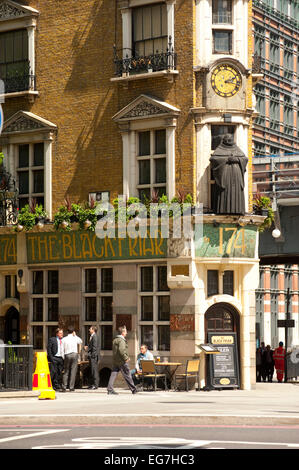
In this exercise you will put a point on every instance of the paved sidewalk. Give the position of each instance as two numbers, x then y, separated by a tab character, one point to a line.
269	403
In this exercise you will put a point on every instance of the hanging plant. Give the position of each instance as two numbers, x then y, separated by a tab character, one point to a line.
262	206
30	215
87	219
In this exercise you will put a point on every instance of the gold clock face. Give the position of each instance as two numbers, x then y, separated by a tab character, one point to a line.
226	80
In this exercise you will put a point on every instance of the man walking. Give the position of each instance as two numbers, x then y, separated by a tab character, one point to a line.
70	349
120	362
55	357
93	356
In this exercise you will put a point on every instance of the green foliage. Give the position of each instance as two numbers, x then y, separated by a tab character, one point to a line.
63	215
263	203
29	215
85	215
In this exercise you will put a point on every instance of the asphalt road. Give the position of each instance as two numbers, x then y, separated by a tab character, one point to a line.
150	437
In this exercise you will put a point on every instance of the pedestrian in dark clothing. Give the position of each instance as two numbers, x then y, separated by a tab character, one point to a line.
268	364
56	357
93	356
120	362
259	364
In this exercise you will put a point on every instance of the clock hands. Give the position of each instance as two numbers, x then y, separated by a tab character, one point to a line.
230	80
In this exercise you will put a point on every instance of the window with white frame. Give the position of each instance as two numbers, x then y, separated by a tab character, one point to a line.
98	304
30	173
28	157
154	308
151	160
149	30
222	11
148	37
17	55
44	306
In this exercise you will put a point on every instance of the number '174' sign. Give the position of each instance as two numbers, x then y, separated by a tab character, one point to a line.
227	240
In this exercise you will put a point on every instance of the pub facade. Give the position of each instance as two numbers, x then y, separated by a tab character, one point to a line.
129	98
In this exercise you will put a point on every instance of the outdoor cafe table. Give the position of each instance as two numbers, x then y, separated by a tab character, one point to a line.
170	369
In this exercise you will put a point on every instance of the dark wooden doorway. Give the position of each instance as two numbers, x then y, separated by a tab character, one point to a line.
12	326
223	318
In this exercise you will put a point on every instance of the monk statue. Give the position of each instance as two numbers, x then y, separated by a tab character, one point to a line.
228	164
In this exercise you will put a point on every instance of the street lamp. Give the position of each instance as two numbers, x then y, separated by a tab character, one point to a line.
276	233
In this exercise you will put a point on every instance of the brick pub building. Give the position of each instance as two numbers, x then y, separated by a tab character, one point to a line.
118	97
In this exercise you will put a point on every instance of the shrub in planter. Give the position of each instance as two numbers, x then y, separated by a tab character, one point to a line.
30	215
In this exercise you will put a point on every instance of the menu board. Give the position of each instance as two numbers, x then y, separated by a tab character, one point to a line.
224	366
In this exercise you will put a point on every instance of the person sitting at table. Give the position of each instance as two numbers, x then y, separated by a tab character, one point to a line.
144	355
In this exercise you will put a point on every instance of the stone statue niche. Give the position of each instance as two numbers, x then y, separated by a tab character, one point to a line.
228	164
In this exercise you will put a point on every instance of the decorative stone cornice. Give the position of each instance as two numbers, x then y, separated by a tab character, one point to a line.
24	121
10	10
145	107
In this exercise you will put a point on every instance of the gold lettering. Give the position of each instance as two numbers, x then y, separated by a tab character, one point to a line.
109	242
66	246
45	244
32	239
11	252
79	256
229	245
5	239
86	241
242	246
221	240
52	241
131	248
158	246
94	249
150	249
120	247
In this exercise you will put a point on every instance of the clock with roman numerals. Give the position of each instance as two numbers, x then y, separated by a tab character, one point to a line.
226	80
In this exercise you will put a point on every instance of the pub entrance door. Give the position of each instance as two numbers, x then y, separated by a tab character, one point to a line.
223	318
12	326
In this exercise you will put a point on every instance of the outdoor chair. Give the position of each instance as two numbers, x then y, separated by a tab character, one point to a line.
192	370
149	371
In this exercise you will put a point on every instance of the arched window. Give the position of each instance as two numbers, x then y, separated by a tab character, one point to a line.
220	318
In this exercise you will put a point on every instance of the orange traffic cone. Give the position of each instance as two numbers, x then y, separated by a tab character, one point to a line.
42	379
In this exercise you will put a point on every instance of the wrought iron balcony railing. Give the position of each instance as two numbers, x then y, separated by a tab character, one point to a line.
17	76
132	64
8	198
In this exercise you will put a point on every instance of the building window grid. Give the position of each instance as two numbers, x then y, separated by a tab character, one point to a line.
288	57
274	110
152	164
288	115
100	296
260	104
29	173
274	58
156	294
43	327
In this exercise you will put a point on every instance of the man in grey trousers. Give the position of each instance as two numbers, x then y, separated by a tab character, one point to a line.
120	362
70	343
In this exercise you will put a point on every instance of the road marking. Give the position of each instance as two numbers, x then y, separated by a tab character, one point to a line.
129	442
34	434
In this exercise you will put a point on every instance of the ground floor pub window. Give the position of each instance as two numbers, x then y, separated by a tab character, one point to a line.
98	304
44	306
154	308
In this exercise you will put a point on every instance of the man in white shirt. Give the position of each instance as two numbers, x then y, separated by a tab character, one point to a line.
71	346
